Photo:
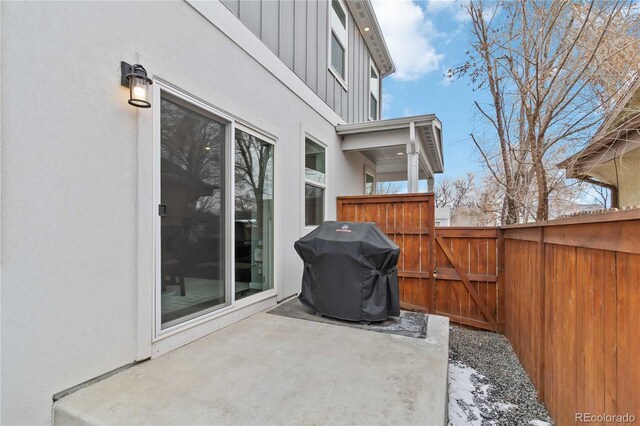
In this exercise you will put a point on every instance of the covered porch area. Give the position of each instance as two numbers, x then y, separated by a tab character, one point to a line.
407	149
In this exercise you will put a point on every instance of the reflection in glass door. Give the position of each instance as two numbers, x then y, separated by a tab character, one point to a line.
192	226
253	214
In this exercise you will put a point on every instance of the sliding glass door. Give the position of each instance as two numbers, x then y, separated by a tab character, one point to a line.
216	215
254	188
192	210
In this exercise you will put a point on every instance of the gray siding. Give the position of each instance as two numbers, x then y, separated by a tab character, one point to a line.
299	38
270	24
298	32
251	12
285	30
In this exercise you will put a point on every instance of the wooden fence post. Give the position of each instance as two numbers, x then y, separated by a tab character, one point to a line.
431	293
501	282
542	307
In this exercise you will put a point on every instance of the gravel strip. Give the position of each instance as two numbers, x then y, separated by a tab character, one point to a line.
491	355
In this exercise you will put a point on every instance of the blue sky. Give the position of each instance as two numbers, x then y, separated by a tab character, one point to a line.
425	39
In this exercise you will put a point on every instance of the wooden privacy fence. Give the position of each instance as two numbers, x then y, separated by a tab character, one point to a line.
408	220
572	299
464	288
566	293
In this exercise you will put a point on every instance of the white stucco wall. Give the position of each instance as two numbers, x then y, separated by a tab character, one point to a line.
76	234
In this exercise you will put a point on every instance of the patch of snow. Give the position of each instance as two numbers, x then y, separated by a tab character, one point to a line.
462	407
468	396
539	423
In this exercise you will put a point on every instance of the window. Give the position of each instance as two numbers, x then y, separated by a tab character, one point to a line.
192	211
369	182
374	95
253	214
338	40
314	183
199	206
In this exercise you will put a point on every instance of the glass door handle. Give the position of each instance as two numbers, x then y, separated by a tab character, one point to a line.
162	210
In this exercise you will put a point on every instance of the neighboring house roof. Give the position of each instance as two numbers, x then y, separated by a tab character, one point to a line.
625	117
365	17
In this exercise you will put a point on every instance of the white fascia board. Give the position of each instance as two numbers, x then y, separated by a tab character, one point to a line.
365	16
359	142
222	18
382	125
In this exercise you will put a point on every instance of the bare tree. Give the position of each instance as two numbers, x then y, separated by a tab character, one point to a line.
442	191
602	196
389	188
454	193
553	69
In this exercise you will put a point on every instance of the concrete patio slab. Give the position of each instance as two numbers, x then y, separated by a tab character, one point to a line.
271	369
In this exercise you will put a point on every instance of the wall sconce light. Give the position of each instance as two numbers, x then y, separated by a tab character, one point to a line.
135	78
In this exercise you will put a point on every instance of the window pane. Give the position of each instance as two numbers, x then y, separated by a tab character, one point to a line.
314	162
192	232
339	12
253	215
368	184
314	205
374	83
374	108
337	55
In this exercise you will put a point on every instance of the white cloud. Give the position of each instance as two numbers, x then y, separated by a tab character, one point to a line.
456	8
408	34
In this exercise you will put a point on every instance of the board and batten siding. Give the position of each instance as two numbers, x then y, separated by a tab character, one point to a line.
298	32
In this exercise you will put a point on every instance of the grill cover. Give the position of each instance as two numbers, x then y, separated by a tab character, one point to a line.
350	271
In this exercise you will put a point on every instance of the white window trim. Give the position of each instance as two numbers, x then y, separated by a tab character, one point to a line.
305	181
345	43
372	65
370	172
231	305
260	135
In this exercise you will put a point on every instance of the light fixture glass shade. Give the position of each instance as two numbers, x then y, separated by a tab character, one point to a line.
135	76
139	91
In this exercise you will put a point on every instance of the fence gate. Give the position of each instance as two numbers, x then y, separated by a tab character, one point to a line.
466	284
408	219
448	271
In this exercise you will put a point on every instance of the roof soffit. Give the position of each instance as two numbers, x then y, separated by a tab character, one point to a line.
365	16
